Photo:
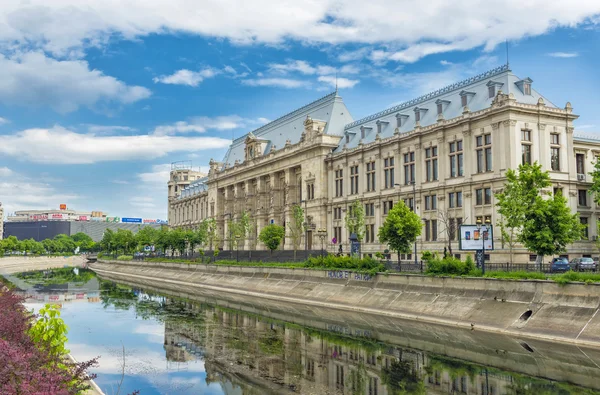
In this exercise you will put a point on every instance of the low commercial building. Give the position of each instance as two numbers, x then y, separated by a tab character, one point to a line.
445	154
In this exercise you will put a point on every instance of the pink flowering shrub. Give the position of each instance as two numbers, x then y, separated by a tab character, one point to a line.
29	367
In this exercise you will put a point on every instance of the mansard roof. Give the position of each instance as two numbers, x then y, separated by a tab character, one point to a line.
195	187
475	88
330	109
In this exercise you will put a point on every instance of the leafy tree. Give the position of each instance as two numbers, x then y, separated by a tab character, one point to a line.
108	243
297	227
164	240
210	227
50	331
65	243
83	241
401	228
146	236
124	240
178	240
355	219
239	229
544	226
271	236
595	190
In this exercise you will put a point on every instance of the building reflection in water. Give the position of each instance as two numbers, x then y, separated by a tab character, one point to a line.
253	355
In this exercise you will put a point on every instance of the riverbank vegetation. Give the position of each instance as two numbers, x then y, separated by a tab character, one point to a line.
57	276
34	359
59	245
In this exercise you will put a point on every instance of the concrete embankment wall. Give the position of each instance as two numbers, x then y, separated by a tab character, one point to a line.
557	312
16	264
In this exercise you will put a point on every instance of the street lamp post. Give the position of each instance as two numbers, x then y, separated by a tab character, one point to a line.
322	233
483	229
414	209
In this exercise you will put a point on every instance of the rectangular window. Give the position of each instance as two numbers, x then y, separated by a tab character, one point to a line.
388	172
369	209
370	176
427	230
459	199
373	385
488	196
452	229
484	153
417	116
353	180
491	91
555	158
554	139
387	206
527	89
409	168
525	135
431	202
451	203
585	230
582	195
339	183
580	163
369	233
526	154
440	108
456	159
409	203
310	191
433	229
431	168
337	213
463	100
337	233
479	197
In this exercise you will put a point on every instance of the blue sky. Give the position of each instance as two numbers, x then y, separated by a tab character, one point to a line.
98	98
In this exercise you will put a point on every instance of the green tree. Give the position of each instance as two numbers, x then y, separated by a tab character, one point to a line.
146	236
271	236
107	243
543	225
400	229
178	240
124	240
296	227
65	244
164	240
83	241
355	219
210	227
239	229
595	190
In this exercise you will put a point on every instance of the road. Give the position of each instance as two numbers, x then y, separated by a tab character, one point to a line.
16	264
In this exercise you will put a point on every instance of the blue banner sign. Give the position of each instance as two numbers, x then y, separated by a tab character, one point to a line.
131	220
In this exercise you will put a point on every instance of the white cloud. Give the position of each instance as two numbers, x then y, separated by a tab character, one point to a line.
3	121
186	77
340	82
202	124
60	145
34	79
303	67
158	175
5	172
19	192
275	82
66	27
563	54
108	129
143	202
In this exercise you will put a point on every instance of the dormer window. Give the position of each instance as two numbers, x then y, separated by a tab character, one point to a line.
364	130
441	104
525	86
401	120
493	87
465	96
419	112
381	125
347	138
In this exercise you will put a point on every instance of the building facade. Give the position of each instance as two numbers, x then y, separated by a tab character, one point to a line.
445	154
1	221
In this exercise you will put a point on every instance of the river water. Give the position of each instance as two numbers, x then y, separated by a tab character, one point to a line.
161	342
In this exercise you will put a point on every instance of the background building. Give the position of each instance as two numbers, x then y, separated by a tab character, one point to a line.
1	221
47	224
445	154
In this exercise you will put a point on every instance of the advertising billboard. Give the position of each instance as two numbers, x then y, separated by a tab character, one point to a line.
82	218
473	239
39	217
113	219
149	221
63	206
58	216
131	220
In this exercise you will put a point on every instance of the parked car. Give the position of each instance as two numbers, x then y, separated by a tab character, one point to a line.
583	264
559	265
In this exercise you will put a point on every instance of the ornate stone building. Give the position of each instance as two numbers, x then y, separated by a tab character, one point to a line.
445	154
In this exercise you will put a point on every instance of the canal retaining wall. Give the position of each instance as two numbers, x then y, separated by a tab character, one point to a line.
530	308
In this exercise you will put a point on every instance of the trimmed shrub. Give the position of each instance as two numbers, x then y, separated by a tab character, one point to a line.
124	258
449	266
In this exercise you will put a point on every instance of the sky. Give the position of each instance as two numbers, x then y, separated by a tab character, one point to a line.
99	97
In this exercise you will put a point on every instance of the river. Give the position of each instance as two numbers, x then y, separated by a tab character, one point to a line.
161	342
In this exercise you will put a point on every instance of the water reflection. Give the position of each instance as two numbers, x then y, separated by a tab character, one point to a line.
200	344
